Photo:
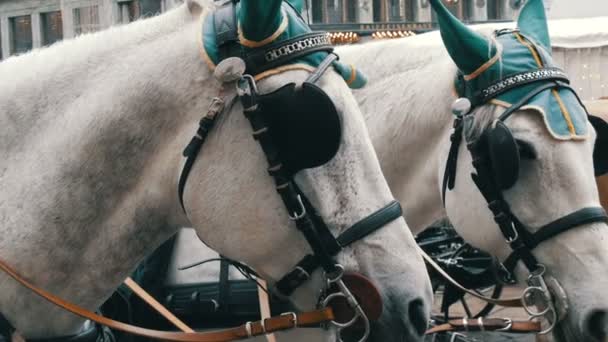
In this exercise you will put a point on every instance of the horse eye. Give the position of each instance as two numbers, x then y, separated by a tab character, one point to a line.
526	150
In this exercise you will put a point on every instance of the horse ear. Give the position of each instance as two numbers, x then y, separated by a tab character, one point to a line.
195	8
259	19
468	49
297	4
532	22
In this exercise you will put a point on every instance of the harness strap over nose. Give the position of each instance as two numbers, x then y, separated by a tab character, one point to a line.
303	270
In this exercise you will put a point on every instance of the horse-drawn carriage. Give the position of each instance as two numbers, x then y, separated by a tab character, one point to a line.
518	127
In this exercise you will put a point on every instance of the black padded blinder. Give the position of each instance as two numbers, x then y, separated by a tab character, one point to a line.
504	153
600	162
304	124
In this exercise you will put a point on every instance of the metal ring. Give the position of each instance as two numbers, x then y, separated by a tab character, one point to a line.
480	323
304	272
527	307
465	323
297	216
539	272
248	329
294	317
551	326
336	275
509	323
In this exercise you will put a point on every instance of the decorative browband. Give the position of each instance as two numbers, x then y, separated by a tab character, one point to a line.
265	58
517	80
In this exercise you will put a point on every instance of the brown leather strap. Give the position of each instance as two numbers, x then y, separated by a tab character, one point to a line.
154	304
506	302
264	301
283	322
487	324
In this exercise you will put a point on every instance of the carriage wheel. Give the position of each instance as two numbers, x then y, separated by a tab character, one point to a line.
452	296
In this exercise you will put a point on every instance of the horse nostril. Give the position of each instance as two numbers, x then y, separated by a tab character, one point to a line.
417	316
595	325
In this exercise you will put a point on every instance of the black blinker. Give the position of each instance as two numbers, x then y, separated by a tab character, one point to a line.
304	124
504	154
600	158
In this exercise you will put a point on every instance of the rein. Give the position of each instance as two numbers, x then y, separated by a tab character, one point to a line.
285	321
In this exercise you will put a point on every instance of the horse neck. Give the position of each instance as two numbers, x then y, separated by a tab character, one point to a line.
407	110
89	171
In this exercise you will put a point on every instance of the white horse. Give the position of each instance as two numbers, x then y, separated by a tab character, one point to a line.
407	108
92	134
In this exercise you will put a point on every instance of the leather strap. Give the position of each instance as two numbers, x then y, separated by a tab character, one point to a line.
506	302
146	297
302	271
194	147
278	323
487	324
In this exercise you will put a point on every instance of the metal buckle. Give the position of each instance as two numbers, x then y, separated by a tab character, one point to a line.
216	107
246	87
294	317
248	329
515	236
480	323
302	213
508	322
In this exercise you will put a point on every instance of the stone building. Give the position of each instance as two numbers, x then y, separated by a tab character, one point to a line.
370	11
28	24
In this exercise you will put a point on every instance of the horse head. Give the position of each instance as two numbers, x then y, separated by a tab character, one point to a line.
531	157
311	154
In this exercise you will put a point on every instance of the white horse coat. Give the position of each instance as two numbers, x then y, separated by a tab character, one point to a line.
92	131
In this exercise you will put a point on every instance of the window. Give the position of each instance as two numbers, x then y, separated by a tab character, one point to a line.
20	34
86	19
135	9
379	7
317	11
335	11
351	11
495	9
52	27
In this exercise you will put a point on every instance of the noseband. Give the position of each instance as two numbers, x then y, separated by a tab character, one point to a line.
498	142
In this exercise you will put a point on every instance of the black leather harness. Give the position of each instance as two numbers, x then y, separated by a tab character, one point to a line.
520	238
322	242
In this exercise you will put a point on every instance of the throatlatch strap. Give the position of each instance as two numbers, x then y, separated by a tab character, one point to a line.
194	147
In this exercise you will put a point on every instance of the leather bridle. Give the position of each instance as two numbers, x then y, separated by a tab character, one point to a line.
519	237
323	244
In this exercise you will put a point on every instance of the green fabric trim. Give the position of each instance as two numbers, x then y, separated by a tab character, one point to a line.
468	49
296	27
259	19
532	22
518	58
297	4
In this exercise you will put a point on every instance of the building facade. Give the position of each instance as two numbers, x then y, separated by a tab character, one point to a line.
390	11
28	24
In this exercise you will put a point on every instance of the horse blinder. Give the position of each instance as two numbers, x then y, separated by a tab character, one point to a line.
600	163
304	124
504	155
